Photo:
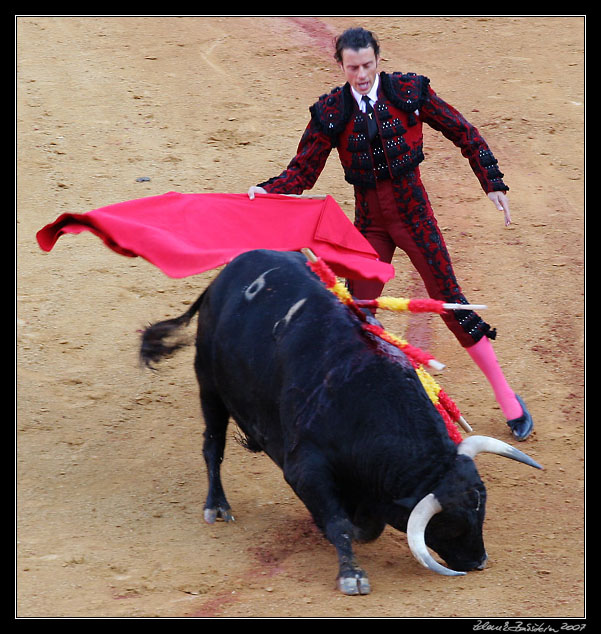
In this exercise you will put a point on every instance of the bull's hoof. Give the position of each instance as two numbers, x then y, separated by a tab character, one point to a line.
354	583
219	513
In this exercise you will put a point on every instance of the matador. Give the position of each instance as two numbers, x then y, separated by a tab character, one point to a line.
375	123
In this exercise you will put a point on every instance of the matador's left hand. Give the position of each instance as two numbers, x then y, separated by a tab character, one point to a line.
501	202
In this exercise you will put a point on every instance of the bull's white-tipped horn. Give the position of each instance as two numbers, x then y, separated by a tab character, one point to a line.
484	444
421	514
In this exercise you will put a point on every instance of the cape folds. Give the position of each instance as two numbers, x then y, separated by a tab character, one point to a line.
187	234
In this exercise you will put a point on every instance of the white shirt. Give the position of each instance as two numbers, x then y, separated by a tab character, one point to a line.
372	94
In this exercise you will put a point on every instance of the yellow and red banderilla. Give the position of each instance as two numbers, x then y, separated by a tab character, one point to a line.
419	358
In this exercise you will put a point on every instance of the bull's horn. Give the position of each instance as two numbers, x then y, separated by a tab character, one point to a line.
421	514
477	444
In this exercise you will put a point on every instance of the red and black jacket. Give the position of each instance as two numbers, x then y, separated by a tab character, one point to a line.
405	102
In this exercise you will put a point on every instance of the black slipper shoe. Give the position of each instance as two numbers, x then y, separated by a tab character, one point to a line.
521	427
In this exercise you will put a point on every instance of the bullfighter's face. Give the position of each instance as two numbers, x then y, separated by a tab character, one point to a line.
360	68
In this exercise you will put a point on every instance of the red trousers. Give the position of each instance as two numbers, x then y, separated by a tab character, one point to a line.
400	215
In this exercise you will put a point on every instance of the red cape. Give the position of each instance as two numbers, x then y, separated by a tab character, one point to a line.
186	234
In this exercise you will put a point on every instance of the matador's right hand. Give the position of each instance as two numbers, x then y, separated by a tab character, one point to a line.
255	190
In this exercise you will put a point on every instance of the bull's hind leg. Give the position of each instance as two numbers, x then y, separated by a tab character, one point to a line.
216	419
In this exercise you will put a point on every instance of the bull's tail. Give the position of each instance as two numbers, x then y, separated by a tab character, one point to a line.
157	340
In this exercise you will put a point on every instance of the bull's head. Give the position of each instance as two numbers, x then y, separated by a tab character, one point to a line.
449	520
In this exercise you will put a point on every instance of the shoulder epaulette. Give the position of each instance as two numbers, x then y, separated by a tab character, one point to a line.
333	110
406	91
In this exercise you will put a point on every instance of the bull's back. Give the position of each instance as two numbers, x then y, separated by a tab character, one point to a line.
290	361
265	327
257	300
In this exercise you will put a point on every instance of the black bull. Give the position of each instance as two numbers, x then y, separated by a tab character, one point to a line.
342	414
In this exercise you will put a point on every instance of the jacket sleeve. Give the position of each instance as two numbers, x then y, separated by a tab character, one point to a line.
304	169
442	117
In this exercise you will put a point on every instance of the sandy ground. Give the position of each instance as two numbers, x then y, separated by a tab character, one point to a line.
110	479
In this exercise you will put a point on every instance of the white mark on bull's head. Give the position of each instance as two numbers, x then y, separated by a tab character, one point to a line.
289	315
258	285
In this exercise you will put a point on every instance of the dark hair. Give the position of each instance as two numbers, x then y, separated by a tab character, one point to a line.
355	39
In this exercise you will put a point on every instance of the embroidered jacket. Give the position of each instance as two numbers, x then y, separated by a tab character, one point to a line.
405	102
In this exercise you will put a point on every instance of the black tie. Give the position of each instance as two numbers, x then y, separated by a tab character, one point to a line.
372	126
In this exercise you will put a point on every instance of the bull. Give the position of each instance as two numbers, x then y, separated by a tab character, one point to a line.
342	413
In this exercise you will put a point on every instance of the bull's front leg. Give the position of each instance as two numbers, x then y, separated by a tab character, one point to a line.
352	579
315	488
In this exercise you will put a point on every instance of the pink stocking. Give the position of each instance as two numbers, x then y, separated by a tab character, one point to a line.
483	355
